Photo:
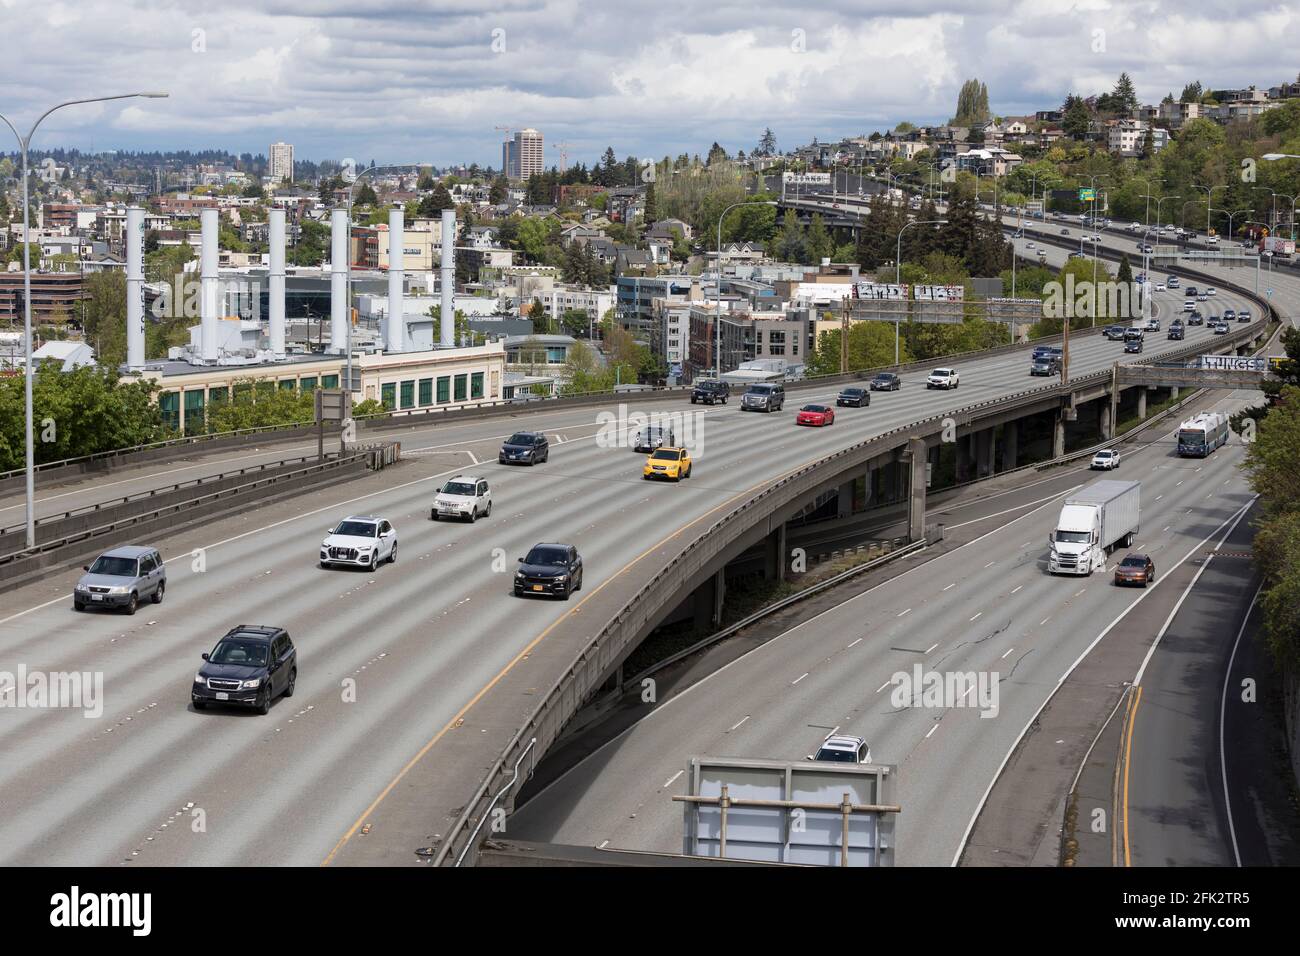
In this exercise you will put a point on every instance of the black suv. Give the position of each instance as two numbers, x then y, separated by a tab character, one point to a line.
853	395
1176	330
886	382
549	569
710	390
250	667
525	447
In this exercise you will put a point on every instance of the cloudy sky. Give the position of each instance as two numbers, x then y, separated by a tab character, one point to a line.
428	81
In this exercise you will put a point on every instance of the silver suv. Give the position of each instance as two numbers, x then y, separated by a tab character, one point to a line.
122	578
763	397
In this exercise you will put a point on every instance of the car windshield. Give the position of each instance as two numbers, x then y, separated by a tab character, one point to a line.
1105	454
116	567
838	756
1133	562
813	408
1072	537
553	556
941	371
760	389
357	529
522	438
235	651
458	488
851	391
667	454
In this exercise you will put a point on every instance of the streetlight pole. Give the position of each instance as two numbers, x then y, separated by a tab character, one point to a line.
1209	194
24	144
898	268
717	317
1146	215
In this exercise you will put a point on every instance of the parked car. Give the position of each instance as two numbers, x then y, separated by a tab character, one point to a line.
528	448
549	569
843	748
885	382
943	378
1135	569
360	542
122	578
815	415
250	667
651	437
464	496
854	395
763	397
1105	460
673	463
710	390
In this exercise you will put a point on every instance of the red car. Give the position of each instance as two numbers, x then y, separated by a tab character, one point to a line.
816	415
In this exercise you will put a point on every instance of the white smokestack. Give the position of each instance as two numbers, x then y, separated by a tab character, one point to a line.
448	282
210	286
134	287
339	317
395	331
276	282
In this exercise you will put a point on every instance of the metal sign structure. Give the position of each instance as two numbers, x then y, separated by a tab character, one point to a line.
773	811
332	405
1087	195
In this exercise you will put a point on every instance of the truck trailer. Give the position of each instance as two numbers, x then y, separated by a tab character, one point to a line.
1093	522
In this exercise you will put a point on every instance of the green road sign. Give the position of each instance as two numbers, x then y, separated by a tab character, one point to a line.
1087	195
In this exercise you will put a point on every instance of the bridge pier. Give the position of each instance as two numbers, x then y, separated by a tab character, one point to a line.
844	498
1107	426
1058	434
706	603
774	559
964	446
1173	393
1010	444
984	457
916	489
1142	403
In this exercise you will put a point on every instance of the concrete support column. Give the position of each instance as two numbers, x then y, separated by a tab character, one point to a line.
893	481
1173	393
706	601
1104	423
916	489
845	500
1010	444
1058	435
984	452
775	560
963	449
1142	403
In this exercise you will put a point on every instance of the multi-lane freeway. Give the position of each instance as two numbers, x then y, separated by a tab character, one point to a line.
393	662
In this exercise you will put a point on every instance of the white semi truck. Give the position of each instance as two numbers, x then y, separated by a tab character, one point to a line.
1093	522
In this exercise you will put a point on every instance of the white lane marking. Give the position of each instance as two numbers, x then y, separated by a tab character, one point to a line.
1007	654
989	565
901	613
1080	591
738	723
472	457
1158	497
1043	621
1017	588
953	585
797	679
977	614
669	782
1223	704
603	844
855	643
954	527
931	647
883	686
932	730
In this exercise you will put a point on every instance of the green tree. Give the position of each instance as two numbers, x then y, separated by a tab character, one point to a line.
972	104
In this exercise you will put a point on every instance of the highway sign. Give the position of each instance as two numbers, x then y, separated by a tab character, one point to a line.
1087	195
1233	363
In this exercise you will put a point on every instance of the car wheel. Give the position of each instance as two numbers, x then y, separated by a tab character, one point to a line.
692	400
392	555
293	679
578	586
473	514
132	604
488	513
433	514
158	594
264	702
78	606
199	704
374	561
567	592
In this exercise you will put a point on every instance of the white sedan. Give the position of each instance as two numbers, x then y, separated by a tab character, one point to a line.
1105	460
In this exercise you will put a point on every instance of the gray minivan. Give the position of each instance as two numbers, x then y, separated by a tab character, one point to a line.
763	397
122	578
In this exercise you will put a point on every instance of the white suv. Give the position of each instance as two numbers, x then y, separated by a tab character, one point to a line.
465	496
359	542
1105	460
943	378
843	748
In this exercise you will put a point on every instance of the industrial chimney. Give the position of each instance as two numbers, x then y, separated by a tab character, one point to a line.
210	286
276	282
395	331
448	279
134	288
339	318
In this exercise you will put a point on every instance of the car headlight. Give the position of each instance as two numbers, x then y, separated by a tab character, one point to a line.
253	684
519	575
121	590
561	578
199	679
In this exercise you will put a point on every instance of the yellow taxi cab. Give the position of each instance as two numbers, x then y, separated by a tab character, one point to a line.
674	463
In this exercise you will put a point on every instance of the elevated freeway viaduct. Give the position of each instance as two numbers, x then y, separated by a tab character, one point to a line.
426	691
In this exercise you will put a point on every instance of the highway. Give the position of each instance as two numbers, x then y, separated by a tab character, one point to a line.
986	607
422	640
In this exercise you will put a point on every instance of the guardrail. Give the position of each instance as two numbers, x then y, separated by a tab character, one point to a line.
601	652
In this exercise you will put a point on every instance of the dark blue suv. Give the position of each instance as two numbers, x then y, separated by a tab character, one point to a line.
250	667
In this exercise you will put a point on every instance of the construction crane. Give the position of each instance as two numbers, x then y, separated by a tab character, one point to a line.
564	154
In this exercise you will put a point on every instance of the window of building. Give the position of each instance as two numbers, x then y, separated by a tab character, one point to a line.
462	387
426	391
776	350
265	388
288	384
388	395
242	390
194	417
169	403
307	384
329	381
444	389
217	396
476	385
408	393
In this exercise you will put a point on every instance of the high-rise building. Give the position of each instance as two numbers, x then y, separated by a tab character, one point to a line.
523	156
282	162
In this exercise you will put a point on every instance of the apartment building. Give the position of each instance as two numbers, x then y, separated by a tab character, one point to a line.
281	162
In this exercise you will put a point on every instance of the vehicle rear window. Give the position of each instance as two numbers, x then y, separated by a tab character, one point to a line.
839	756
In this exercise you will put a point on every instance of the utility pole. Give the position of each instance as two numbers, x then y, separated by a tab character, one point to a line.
844	335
